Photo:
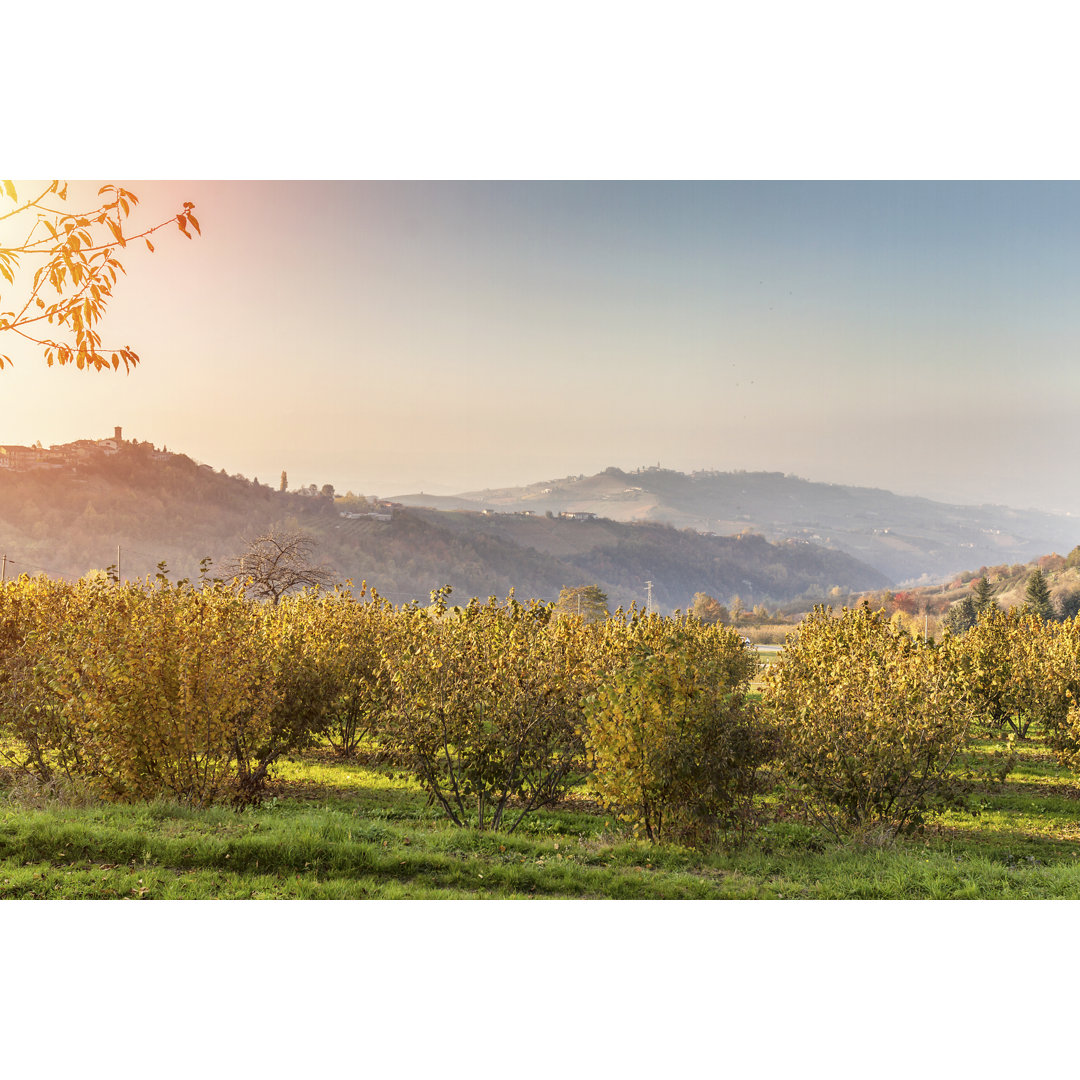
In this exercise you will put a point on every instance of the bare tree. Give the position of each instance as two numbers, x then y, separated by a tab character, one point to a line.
276	563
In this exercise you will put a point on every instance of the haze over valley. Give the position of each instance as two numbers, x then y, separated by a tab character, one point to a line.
476	337
908	539
452	337
652	534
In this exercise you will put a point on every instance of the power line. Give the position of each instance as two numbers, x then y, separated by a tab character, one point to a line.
33	567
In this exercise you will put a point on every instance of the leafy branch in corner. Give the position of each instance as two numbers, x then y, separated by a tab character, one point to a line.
76	253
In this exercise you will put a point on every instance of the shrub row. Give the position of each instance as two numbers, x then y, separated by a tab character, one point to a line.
1022	672
139	692
195	692
498	708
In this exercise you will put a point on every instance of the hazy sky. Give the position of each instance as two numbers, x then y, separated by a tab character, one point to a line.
446	336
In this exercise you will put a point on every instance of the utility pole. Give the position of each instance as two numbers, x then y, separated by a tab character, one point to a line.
117	565
3	570
648	589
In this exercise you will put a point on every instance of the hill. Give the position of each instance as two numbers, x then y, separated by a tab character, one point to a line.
906	538
147	506
153	505
924	608
489	554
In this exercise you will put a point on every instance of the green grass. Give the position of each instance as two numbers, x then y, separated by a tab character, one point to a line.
348	830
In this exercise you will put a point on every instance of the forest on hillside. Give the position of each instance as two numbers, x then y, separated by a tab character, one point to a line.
146	507
906	537
155	507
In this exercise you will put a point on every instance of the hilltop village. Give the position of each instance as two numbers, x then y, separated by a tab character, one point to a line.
63	455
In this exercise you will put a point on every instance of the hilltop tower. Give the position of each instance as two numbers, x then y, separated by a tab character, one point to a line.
117	435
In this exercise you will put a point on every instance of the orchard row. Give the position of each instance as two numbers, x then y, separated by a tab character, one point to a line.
194	692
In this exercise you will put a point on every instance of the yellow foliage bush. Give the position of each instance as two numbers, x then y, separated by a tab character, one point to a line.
142	690
675	741
871	720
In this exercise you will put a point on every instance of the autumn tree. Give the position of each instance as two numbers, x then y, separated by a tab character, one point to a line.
1013	671
738	609
708	609
1069	604
484	705
277	563
588	601
75	255
906	602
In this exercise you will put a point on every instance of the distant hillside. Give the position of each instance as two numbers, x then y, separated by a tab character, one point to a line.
156	506
904	537
1008	586
483	555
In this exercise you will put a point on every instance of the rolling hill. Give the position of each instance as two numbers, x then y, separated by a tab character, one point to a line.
141	506
906	538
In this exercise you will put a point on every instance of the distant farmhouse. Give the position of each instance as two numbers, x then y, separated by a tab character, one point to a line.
60	456
383	511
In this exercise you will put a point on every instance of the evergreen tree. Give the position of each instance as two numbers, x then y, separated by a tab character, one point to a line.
1037	595
984	596
961	616
284	481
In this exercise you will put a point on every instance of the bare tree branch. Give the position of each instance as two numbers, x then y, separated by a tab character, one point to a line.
277	563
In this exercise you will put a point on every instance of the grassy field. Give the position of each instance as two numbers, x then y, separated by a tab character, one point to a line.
352	830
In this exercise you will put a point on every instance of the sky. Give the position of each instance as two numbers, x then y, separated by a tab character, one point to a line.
391	337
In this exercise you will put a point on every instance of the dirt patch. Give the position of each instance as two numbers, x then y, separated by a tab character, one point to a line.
307	790
1048	791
